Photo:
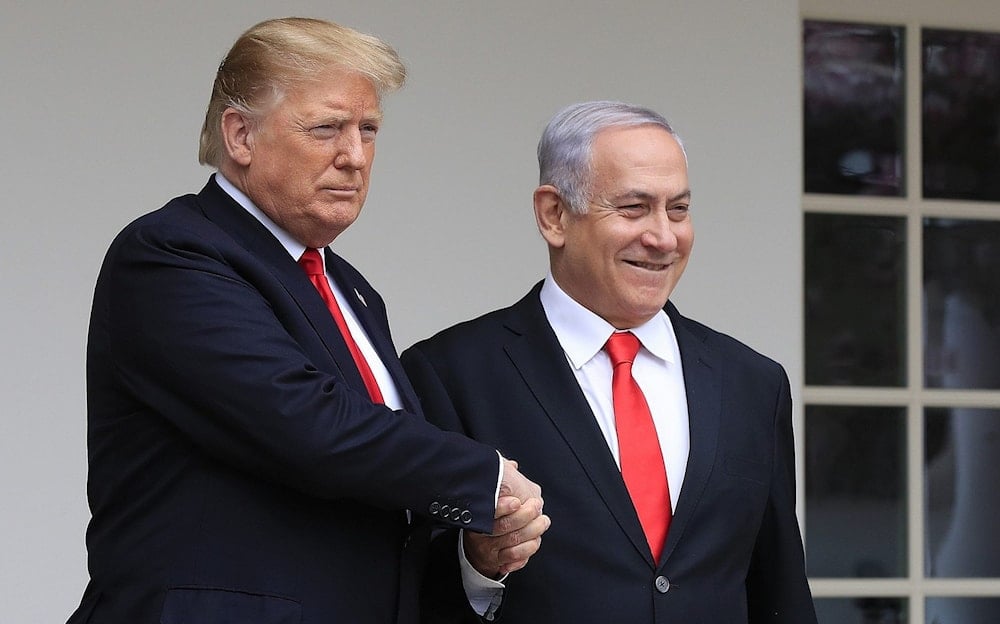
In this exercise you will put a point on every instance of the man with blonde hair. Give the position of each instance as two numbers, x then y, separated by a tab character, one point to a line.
254	444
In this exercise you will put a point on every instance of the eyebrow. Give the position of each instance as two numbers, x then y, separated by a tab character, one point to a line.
649	197
334	112
685	194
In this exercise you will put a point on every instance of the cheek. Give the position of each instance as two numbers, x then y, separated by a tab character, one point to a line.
687	239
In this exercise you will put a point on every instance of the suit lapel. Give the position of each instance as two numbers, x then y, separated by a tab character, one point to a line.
355	292
223	210
538	357
702	381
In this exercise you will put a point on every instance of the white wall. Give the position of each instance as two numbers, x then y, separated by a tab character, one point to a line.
102	103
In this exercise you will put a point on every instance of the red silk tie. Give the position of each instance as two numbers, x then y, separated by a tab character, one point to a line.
312	264
638	447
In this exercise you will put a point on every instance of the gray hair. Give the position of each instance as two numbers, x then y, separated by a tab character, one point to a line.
564	151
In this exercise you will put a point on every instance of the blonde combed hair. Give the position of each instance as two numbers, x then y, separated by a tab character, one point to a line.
277	54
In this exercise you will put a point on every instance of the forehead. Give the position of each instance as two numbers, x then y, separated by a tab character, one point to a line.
643	159
332	90
637	146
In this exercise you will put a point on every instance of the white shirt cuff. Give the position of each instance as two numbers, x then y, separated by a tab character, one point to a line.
496	493
484	593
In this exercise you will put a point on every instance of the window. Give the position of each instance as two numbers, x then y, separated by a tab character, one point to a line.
901	175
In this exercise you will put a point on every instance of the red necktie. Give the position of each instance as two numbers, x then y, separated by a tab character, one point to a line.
638	447
312	263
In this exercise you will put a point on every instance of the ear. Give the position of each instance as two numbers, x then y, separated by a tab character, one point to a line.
550	215
237	136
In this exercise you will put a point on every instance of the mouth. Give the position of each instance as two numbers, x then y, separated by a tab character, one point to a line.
648	266
342	191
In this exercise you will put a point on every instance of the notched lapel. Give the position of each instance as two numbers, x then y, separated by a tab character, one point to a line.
703	387
538	357
337	267
250	233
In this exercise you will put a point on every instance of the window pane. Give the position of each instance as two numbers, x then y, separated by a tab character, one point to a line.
855	491
855	325
961	303
961	128
961	464
853	108
963	610
861	610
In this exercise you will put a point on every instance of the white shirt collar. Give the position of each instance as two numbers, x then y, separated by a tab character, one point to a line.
294	247
582	334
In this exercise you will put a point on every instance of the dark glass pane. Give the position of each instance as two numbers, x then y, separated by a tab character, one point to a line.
853	108
961	126
962	610
855	491
874	610
855	325
962	303
961	464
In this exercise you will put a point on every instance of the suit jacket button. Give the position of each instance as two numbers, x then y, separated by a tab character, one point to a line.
435	508
445	510
662	584
456	513
466	517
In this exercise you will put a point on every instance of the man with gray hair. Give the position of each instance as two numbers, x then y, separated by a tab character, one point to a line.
664	447
256	453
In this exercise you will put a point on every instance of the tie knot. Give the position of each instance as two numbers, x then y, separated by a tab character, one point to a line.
311	262
622	347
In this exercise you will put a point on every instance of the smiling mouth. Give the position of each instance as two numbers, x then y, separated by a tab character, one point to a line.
648	266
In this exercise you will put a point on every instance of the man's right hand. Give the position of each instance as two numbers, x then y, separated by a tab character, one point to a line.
517	528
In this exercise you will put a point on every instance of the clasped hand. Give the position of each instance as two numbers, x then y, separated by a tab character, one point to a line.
518	526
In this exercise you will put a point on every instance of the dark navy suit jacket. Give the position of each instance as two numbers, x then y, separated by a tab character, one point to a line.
238	472
733	554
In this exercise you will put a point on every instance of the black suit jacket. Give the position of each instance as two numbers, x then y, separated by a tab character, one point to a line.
733	555
238	471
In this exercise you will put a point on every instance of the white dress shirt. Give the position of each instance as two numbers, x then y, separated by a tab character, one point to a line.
657	370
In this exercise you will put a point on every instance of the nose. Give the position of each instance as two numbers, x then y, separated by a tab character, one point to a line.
659	233
350	151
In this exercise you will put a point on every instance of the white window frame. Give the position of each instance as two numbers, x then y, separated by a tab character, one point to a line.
916	587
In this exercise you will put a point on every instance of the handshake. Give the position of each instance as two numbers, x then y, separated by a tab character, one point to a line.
517	527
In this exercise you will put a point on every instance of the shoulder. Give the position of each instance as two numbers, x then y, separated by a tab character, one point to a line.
471	335
181	219
191	232
498	326
692	334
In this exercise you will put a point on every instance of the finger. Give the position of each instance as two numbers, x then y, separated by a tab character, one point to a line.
513	559
518	519
526	533
507	505
514	567
481	552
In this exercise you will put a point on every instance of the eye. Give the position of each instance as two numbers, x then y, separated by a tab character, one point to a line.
632	210
324	131
368	131
678	212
